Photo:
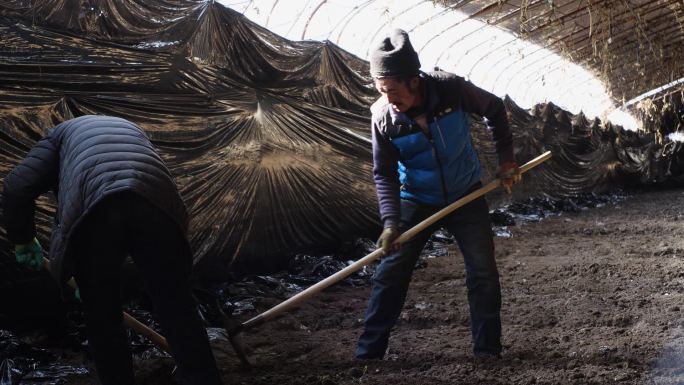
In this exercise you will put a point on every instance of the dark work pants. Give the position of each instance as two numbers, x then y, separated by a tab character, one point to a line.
471	227
125	224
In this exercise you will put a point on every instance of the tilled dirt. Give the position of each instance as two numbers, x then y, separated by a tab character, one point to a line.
592	297
588	298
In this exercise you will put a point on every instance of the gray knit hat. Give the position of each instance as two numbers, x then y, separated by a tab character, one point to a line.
394	56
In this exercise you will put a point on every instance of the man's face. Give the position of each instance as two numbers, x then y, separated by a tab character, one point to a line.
401	95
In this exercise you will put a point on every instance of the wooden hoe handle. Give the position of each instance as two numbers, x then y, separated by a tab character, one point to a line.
347	271
130	321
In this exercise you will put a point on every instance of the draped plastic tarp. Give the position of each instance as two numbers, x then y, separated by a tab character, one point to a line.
267	138
587	156
251	125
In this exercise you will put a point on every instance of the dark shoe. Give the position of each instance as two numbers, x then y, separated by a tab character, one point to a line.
363	353
484	360
369	357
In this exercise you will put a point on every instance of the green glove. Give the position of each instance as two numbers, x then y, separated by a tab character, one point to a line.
30	254
77	292
389	234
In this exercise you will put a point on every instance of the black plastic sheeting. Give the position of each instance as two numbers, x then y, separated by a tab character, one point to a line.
535	209
22	362
267	138
588	156
250	124
664	114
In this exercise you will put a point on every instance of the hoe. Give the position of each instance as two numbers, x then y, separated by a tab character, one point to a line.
234	331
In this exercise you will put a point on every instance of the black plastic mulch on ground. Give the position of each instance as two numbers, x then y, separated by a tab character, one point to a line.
21	361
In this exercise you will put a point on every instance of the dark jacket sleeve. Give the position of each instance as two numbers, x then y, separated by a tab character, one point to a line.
35	175
490	106
386	176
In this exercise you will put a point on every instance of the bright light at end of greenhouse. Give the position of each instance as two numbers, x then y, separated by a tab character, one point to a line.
492	58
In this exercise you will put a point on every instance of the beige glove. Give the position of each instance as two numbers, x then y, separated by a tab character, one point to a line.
389	234
509	173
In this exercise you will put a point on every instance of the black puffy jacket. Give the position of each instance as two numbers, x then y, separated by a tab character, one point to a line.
83	160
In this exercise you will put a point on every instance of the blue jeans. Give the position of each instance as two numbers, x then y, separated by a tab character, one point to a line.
471	227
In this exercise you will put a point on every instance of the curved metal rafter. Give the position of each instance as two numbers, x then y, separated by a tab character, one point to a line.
268	18
483	57
344	20
603	37
384	25
299	16
530	65
555	66
524	84
514	61
485	25
453	43
306	26
247	6
573	80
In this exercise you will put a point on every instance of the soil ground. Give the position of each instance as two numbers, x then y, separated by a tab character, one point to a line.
593	297
588	298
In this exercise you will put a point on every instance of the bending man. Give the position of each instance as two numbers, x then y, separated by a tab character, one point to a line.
115	198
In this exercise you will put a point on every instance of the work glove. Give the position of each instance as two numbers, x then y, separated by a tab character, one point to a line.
388	236
77	294
30	254
509	173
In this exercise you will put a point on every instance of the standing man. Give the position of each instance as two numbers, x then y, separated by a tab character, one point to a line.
423	160
115	197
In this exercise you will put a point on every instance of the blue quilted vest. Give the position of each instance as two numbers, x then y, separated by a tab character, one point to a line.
437	171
